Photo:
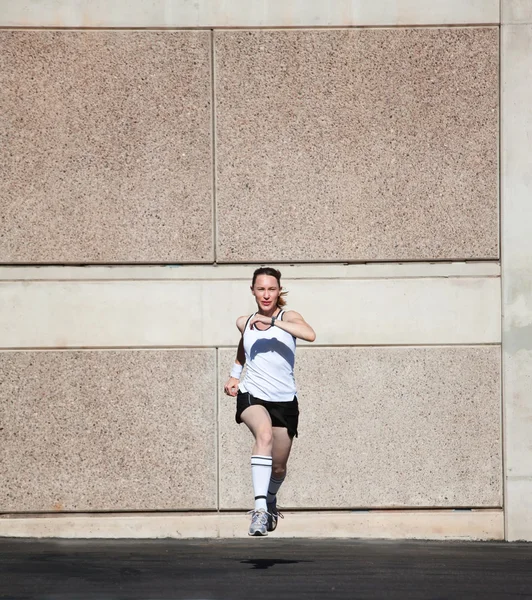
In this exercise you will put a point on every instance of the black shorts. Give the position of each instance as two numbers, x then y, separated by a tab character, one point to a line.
282	414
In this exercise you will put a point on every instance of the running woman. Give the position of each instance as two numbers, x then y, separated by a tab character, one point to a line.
266	398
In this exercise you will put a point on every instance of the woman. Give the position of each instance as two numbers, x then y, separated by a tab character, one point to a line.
266	398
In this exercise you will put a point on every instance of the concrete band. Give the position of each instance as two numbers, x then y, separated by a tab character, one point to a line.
438	525
243	13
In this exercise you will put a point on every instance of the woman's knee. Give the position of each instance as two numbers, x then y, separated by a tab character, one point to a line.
279	470
264	437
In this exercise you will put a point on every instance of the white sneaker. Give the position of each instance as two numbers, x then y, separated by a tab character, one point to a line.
259	522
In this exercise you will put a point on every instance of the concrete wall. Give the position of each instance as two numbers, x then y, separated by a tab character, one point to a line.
112	377
121	146
299	137
240	13
516	190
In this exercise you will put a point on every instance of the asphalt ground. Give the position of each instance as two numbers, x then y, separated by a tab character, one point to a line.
258	568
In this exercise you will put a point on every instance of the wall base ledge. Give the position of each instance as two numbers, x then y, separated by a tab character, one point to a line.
480	524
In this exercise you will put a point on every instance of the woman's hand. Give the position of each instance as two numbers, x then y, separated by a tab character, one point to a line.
292	322
231	387
260	319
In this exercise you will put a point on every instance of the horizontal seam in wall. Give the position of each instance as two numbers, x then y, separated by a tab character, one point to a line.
257	263
344	27
216	28
228	511
233	347
229	279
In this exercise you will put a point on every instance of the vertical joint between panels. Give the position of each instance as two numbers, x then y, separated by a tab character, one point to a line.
217	425
213	147
500	163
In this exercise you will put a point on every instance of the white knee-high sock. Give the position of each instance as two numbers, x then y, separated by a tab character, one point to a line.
261	471
275	483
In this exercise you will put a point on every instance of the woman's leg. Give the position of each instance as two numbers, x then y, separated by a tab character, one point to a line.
282	444
259	422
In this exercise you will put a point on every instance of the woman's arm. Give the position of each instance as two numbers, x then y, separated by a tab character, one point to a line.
292	322
231	387
240	354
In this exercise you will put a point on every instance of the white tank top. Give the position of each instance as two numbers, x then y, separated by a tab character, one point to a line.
270	359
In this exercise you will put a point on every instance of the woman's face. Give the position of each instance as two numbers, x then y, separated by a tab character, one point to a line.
266	291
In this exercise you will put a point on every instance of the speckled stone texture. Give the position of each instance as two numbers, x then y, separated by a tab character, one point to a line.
368	144
382	427
105	146
109	430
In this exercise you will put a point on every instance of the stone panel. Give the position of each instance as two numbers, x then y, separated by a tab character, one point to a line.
242	13
105	152
181	312
119	431
368	144
382	427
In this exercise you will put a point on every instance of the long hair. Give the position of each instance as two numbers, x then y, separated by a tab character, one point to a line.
281	301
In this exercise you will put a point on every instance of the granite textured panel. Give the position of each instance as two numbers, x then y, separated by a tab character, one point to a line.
369	144
89	431
516	216
106	314
382	427
105	146
243	13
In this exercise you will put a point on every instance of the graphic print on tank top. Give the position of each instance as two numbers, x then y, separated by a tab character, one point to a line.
270	360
